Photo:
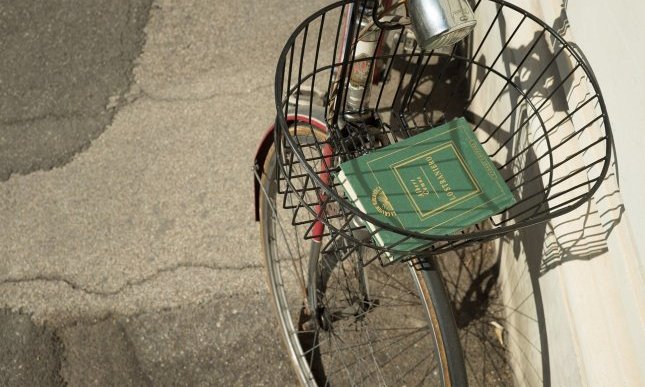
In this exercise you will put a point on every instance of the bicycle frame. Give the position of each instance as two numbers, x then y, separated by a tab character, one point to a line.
357	83
318	121
350	44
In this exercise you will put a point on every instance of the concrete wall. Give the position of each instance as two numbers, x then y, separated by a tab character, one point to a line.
573	288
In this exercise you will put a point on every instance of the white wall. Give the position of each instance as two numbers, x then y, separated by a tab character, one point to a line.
609	324
574	288
612	36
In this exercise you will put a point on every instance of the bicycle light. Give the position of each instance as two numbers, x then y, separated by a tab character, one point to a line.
440	23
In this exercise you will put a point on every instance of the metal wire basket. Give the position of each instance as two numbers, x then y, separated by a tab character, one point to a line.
531	98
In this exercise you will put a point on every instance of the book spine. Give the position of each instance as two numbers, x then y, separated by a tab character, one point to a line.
353	197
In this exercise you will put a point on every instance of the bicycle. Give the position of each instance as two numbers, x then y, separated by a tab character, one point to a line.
350	79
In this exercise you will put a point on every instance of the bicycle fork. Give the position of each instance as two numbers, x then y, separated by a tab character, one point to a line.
322	264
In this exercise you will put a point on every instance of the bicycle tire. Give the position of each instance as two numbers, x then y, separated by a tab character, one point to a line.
310	346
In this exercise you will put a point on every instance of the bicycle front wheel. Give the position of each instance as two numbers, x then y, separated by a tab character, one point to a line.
373	325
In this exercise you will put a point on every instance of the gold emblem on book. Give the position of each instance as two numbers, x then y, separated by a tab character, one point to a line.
382	203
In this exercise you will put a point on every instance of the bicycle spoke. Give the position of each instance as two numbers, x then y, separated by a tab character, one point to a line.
354	346
384	348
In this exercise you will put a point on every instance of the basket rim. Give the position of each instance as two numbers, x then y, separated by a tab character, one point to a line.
282	125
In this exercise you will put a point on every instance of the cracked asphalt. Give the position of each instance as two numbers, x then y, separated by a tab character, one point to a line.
128	250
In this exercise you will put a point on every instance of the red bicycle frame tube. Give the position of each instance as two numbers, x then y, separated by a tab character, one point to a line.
318	228
263	150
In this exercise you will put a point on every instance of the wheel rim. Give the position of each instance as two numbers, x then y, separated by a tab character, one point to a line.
385	340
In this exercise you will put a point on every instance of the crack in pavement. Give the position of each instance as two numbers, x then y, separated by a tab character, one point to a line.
101	317
157	98
127	100
48	116
128	284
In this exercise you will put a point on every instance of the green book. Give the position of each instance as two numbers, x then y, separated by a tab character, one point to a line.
437	182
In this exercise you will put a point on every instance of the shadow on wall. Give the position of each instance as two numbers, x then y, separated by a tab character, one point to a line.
583	234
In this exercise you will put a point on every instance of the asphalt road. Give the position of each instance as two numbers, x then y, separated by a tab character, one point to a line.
128	251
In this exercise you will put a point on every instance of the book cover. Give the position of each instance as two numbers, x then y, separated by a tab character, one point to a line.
437	182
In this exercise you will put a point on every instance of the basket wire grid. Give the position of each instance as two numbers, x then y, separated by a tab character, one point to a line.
531	98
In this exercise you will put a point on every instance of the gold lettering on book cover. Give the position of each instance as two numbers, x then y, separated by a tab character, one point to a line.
444	186
481	157
381	202
441	178
420	187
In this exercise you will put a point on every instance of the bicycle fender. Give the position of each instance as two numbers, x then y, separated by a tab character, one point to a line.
265	145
